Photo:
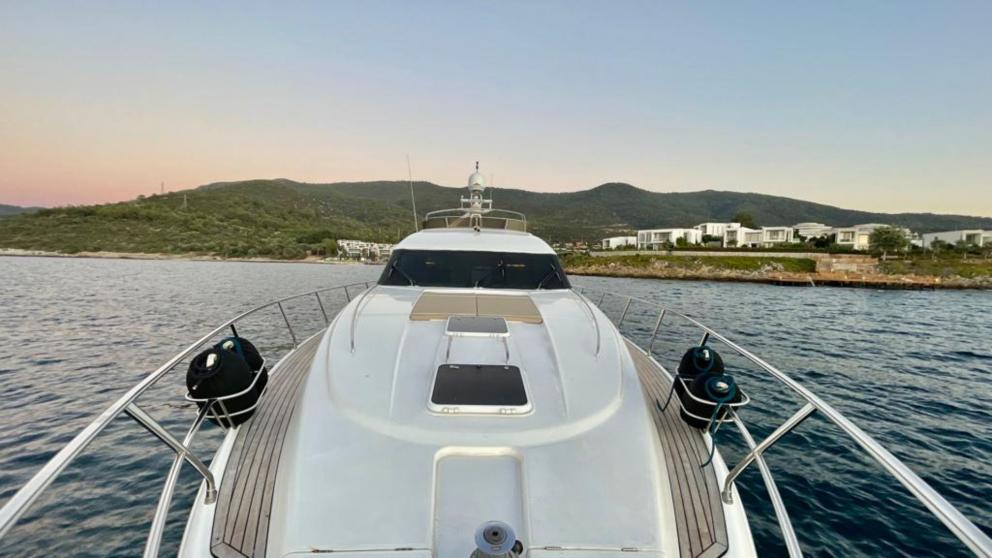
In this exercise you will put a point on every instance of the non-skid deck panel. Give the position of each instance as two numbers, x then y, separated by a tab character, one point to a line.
701	527
244	501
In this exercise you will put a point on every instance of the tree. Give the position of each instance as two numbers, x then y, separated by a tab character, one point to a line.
745	219
888	239
966	248
938	246
825	241
987	249
329	247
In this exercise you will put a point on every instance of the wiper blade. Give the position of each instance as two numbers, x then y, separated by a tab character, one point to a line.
501	267
554	272
393	267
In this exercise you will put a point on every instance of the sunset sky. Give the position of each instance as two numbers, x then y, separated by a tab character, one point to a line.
871	105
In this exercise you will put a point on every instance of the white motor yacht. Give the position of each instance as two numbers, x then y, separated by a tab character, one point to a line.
470	403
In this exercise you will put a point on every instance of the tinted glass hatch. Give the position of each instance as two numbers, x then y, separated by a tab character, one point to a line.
479	384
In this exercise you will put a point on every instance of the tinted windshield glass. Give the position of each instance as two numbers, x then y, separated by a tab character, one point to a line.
492	270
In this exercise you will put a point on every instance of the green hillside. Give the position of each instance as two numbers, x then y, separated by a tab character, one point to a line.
283	218
273	218
590	214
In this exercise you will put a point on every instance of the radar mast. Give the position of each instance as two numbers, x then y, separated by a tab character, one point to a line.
476	204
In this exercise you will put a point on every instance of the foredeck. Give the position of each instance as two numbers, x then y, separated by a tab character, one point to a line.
244	500
702	529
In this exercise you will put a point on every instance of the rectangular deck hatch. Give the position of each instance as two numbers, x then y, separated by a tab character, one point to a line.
484	326
479	388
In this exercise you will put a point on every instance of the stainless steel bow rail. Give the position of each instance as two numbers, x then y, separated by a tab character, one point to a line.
977	541
29	493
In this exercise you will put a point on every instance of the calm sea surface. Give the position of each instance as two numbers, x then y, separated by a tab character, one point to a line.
914	369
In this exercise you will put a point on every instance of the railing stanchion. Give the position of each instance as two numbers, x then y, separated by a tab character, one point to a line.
347	295
226	416
783	429
654	334
623	314
322	311
151	425
601	299
154	540
784	523
289	327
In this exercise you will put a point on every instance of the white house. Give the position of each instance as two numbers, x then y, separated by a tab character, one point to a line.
736	235
362	250
978	237
714	229
753	238
618	242
858	237
658	239
771	236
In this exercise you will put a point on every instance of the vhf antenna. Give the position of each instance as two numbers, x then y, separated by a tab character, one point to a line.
413	199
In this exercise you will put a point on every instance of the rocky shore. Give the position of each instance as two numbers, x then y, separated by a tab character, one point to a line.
774	273
693	269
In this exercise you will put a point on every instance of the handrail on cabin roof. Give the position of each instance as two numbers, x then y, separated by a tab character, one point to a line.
467	218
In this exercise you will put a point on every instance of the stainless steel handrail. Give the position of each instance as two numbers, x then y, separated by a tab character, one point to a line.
154	540
595	322
966	531
784	522
464	216
354	316
461	211
788	426
19	503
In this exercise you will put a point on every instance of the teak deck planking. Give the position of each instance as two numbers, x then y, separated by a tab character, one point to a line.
244	501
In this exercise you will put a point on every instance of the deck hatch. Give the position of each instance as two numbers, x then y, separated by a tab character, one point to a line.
479	385
485	326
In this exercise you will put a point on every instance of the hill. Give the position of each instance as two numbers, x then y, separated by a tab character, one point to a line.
616	207
284	218
269	218
6	210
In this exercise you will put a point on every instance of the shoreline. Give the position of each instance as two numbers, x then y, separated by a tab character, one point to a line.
780	278
791	279
19	253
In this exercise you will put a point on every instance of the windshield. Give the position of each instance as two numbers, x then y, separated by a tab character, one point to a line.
491	270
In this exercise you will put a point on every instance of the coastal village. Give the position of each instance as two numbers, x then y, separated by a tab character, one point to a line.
855	238
805	254
736	235
363	251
